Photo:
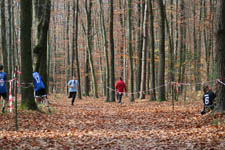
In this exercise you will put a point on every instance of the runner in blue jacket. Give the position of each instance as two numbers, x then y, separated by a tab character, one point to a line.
39	90
3	91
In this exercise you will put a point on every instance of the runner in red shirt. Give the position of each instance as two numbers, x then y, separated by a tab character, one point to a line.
120	89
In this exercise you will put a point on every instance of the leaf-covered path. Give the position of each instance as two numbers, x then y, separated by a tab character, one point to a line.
94	124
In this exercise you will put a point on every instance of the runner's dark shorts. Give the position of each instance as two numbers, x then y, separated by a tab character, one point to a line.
4	95
40	92
72	94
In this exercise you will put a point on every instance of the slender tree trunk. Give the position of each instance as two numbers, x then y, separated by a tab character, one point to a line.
177	31
182	44
171	71
68	45
161	74
27	100
152	37
14	61
15	37
103	30
130	51
75	42
139	48
90	45
10	50
198	75
73	38
207	44
54	51
196	69
3	37
111	40
86	75
220	54
122	49
144	51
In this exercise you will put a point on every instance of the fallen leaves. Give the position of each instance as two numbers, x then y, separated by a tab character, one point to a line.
94	124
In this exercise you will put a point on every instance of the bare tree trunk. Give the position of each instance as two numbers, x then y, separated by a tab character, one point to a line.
3	37
195	46
54	51
76	47
27	100
153	92
10	50
220	54
182	44
90	45
103	30
130	51
144	51
68	45
86	74
111	40
171	71
161	74
139	42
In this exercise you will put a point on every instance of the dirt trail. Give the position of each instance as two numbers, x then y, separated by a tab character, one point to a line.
94	124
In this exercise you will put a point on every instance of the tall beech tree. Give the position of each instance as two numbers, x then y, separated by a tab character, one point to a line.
161	73
89	37
130	51
111	41
144	50
152	41
103	30
139	41
27	100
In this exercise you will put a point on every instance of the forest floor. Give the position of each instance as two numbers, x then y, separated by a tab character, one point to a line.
95	124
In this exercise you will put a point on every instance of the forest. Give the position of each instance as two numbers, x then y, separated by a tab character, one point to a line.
165	51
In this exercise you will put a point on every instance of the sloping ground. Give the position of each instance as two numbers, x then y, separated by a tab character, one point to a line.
94	124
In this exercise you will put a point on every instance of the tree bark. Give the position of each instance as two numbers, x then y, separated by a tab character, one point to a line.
161	74
139	41
152	37
68	45
10	50
76	48
90	44
111	40
103	30
144	51
130	51
220	54
42	18
3	37
27	100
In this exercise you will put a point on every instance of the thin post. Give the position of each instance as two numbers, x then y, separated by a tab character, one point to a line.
16	117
